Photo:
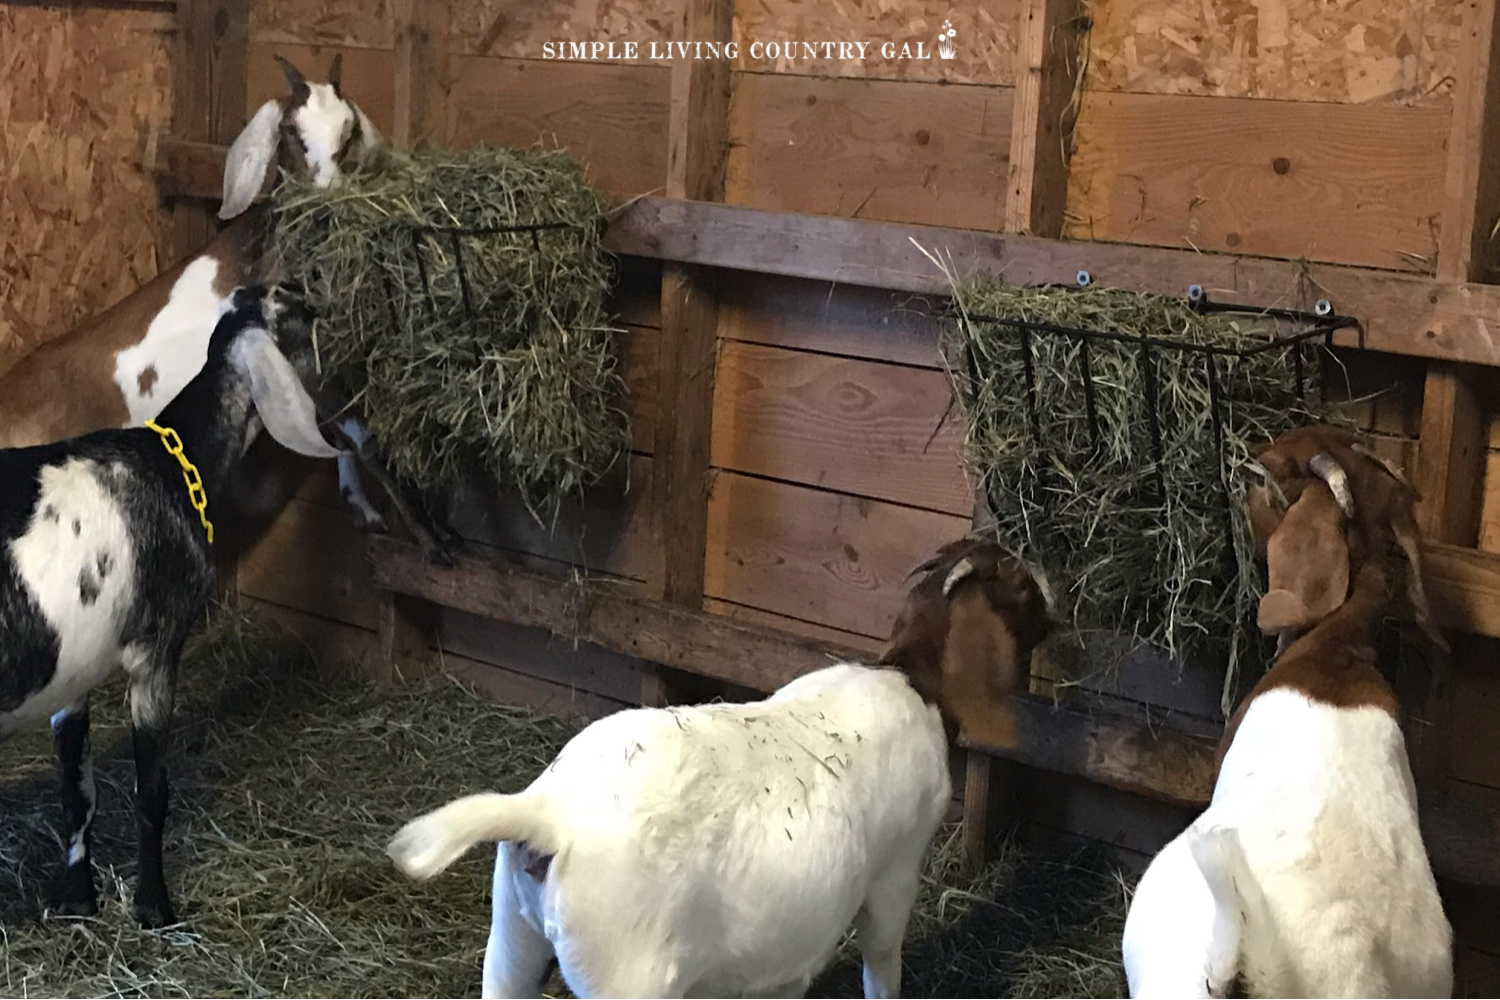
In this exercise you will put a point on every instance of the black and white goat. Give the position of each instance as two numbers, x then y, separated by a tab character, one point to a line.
124	365
105	562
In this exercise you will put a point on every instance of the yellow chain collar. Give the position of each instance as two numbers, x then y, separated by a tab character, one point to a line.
196	494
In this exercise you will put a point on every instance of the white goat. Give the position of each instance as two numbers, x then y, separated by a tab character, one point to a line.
105	564
1307	875
724	850
126	364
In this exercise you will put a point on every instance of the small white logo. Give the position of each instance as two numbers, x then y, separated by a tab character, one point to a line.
946	48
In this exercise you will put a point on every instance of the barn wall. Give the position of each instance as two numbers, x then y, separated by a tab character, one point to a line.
83	97
1287	128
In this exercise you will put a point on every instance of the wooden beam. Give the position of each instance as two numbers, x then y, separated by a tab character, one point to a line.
697	144
1451	455
1403	314
422	79
1042	126
1471	196
209	74
1135	755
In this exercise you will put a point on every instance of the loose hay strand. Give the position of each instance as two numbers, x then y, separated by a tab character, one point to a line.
1160	552
461	294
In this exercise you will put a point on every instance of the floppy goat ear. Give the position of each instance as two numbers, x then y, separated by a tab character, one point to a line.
281	402
1307	561
249	159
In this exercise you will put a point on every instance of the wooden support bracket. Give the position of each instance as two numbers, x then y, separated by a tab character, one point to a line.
697	143
209	87
1042	127
421	61
1471	195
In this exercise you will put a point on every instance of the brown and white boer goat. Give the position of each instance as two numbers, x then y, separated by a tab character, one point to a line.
124	366
1307	874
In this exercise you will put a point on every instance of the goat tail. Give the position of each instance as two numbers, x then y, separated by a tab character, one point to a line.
430	843
1217	853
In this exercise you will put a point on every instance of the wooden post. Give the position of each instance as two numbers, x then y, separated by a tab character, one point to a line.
210	76
421	76
406	627
1036	193
1042	123
1471	195
697	148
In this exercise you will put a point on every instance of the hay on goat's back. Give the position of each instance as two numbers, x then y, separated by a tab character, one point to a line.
1158	552
506	363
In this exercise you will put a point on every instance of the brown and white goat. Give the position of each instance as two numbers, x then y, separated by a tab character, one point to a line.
723	850
125	365
1307	874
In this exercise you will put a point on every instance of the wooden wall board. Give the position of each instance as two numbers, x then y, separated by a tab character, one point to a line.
984	39
368	74
312	559
1474	749
842	424
612	118
538	653
520	28
1358	184
830	318
84	97
865	645
1489	526
822	557
1291	50
538	694
882	150
365	24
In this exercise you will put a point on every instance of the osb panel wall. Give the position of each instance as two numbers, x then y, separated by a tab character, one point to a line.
520	27
83	97
983	35
353	23
1389	51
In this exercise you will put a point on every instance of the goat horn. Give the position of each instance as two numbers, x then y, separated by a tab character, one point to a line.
1326	469
963	568
1365	451
336	72
293	75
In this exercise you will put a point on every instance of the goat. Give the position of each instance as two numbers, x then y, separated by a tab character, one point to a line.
1288	507
126	364
1307	874
723	850
105	563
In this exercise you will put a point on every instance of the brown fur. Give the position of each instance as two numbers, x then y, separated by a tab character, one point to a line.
1384	510
1308	563
968	652
66	386
1334	662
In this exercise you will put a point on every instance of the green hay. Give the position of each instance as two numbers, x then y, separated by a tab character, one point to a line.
286	785
528	389
1175	569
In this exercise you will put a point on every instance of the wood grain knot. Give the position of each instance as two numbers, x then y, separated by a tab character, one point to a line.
1281	164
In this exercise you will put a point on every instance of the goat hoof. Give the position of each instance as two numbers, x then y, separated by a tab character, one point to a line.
76	907
440	556
153	915
375	525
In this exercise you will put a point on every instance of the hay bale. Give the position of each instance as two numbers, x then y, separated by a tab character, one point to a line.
1160	552
466	342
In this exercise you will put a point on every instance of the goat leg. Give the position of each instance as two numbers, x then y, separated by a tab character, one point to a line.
76	895
433	550
152	678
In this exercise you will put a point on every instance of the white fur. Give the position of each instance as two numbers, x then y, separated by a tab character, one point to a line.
720	851
324	121
1325	870
175	345
49	559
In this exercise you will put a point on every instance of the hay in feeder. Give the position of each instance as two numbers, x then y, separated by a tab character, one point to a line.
287	782
468	343
1158	551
